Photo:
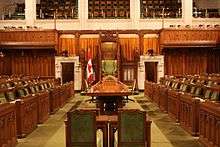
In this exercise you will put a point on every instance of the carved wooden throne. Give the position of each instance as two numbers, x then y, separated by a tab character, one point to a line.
109	55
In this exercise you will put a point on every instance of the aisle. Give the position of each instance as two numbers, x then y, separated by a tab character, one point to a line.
52	132
173	132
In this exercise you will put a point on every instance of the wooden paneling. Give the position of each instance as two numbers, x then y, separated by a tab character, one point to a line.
191	61
5	65
67	43
189	37
28	39
151	43
28	62
89	46
28	36
33	64
213	63
129	47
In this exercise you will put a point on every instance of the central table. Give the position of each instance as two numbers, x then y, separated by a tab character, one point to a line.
109	94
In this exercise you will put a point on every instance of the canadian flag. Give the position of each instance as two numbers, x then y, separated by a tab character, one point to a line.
90	72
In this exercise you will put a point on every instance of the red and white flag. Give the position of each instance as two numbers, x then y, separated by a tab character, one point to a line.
90	72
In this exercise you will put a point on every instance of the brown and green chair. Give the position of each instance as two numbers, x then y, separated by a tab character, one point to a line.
81	128
132	129
2	96
10	94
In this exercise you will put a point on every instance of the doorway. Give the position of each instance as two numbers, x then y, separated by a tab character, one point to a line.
67	72
151	71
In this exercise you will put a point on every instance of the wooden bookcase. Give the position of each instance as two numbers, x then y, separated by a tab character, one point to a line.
161	8
109	9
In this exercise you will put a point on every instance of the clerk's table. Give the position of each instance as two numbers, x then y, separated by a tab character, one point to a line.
109	93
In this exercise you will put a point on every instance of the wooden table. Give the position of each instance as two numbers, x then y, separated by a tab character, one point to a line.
109	94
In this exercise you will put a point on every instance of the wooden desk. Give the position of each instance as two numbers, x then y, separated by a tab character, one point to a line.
209	124
109	94
8	125
109	125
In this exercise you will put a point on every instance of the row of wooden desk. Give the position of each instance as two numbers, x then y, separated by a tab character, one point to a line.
197	116
21	116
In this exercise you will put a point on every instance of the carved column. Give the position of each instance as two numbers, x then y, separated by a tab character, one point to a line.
187	8
141	42
30	12
77	36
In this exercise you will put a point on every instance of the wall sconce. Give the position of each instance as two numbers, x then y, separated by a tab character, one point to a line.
2	54
150	52
65	53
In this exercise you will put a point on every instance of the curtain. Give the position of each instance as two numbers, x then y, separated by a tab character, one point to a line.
90	46
151	43
128	47
67	43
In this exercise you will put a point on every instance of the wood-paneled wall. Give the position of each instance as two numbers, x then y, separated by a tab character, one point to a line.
189	37
89	46
151	43
67	43
129	47
28	62
28	36
213	61
192	61
4	65
191	51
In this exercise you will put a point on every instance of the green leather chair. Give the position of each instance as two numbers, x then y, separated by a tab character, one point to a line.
32	89
215	96
82	128
37	89
208	94
10	95
21	93
2	98
132	128
109	67
26	91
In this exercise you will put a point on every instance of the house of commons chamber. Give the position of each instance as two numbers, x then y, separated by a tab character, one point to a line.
109	73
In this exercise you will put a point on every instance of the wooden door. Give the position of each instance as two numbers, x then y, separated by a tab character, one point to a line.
151	71
67	72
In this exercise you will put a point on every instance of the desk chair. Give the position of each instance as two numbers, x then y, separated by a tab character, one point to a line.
82	128
132	128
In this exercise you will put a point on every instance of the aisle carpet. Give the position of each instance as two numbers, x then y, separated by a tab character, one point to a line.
173	132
